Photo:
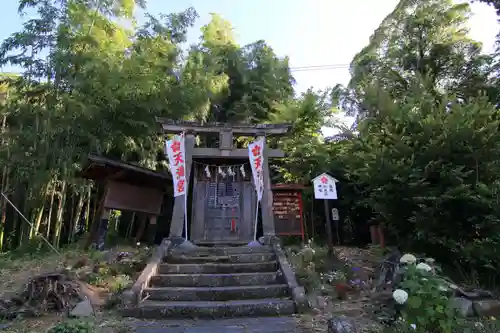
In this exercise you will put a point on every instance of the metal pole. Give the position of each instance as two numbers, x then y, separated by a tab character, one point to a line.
31	225
328	228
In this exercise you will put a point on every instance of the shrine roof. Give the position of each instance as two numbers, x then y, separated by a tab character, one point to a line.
327	174
99	168
176	126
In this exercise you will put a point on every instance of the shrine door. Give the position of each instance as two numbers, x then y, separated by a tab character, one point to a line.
223	209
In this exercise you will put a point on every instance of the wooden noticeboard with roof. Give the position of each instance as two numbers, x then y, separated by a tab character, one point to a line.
288	210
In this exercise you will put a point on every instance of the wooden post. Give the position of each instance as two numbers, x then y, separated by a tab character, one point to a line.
267	198
103	229
374	234
142	227
152	229
94	226
328	228
177	224
381	238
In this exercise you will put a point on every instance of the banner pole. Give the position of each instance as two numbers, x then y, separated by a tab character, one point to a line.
256	220
185	214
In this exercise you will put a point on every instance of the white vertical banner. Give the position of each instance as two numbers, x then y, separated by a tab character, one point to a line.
256	156
176	152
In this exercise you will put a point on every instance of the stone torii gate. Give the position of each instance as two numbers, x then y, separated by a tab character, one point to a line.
225	151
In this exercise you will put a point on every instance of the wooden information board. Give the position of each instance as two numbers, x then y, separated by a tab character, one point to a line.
287	210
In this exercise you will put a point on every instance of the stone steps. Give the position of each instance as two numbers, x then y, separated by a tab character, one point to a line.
214	280
214	309
215	267
225	293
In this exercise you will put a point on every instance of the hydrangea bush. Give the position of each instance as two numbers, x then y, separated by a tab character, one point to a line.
423	298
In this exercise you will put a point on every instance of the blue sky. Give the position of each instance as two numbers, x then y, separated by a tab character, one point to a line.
310	32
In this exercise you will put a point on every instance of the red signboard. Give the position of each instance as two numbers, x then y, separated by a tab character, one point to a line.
288	210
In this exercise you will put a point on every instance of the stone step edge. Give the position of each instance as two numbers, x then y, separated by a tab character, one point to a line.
223	248
222	264
215	289
215	275
215	304
177	255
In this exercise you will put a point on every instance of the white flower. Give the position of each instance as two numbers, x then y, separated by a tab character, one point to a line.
424	267
413	326
430	260
443	288
400	296
408	259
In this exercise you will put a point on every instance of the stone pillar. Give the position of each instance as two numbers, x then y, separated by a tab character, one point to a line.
102	231
267	199
152	230
177	223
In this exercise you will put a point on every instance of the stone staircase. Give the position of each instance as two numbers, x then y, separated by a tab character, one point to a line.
216	282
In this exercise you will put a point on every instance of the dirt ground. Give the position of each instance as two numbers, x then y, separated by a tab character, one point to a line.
16	272
97	273
351	263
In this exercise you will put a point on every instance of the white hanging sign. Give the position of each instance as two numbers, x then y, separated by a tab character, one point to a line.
256	156
207	172
176	153
222	173
324	187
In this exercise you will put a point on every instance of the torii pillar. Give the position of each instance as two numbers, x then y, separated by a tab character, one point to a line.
225	150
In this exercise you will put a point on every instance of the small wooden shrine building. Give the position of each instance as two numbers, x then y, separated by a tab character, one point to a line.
127	187
222	209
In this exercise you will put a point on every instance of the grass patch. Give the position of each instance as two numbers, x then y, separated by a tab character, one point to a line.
104	322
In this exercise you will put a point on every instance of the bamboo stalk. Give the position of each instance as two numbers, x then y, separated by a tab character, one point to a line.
38	219
76	217
56	237
49	218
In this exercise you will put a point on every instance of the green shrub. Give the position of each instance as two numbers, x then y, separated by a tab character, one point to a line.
72	326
